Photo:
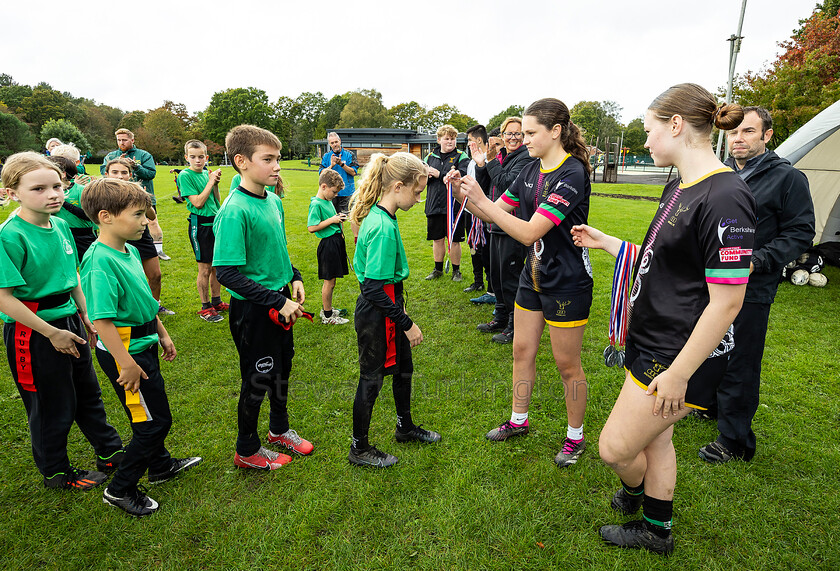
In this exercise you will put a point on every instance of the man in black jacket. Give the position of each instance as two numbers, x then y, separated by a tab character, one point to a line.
785	229
507	256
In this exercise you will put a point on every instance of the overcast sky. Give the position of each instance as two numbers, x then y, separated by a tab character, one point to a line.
478	56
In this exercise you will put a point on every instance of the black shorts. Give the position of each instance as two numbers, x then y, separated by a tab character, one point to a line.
436	228
559	309
145	245
644	365
202	238
332	257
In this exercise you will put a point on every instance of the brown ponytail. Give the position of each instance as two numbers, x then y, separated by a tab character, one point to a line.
550	112
697	107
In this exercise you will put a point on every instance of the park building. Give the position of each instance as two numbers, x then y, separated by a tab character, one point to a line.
365	142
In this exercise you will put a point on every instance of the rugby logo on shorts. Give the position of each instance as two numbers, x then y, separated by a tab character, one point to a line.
265	364
68	247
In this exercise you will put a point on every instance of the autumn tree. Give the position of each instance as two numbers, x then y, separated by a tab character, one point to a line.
332	114
803	80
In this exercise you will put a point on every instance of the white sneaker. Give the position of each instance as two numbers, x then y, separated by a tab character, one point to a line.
335	319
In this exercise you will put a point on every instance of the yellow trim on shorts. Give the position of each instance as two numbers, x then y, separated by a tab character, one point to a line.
565	324
644	386
133	400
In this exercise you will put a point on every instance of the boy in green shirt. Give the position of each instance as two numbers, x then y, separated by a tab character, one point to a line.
125	315
45	317
201	189
252	262
332	251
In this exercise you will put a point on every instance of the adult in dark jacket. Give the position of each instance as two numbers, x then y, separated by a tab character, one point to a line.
444	158
785	229
507	256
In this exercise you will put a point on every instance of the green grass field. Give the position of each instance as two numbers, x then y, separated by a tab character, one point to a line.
466	503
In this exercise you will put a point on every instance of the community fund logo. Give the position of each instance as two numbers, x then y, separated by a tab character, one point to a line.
68	247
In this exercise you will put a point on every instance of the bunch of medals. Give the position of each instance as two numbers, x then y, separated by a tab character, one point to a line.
620	304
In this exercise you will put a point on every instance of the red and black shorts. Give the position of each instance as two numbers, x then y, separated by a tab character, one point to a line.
383	347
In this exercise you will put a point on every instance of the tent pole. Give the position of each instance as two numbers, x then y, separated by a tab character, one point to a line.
734	48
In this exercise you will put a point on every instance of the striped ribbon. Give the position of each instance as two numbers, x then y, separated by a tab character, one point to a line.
450	212
619	298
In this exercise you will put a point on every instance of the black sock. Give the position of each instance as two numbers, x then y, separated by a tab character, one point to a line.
206	305
439	266
456	268
328	313
637	491
216	300
657	515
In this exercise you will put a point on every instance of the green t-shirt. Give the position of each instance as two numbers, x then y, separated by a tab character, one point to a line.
37	262
251	234
379	250
237	180
73	195
115	288
192	184
320	210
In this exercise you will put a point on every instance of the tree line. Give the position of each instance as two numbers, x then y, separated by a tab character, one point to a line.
803	80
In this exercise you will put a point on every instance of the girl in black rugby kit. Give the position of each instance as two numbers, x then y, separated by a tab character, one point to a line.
555	286
690	279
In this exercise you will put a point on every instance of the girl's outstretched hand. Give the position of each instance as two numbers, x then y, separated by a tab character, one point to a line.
586	236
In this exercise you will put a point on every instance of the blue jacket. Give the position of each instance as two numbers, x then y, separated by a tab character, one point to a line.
349	180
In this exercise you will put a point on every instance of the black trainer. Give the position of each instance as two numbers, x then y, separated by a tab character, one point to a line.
636	535
434	275
506	430
177	466
135	503
716	452
626	504
417	434
477	286
492	326
75	479
110	463
371	457
503	338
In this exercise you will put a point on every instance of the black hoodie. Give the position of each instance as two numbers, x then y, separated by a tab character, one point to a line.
785	228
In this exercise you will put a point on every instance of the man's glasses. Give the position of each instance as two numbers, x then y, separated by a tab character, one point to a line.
512	135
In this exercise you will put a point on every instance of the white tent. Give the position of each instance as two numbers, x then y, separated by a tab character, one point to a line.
815	150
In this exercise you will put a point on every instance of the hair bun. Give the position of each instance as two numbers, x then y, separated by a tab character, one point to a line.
727	116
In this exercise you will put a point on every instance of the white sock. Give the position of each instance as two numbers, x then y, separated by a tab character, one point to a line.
159	247
574	433
519	417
